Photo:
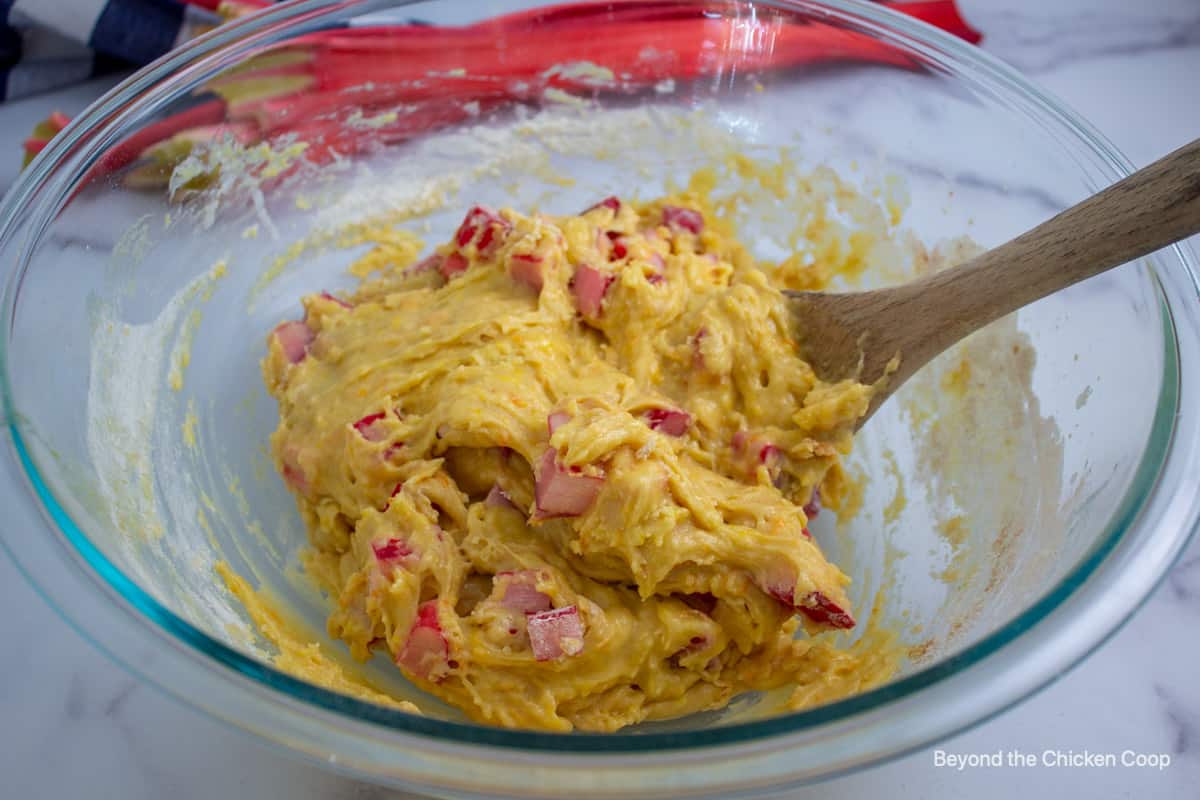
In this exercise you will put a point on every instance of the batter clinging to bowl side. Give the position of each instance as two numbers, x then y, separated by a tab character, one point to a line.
558	470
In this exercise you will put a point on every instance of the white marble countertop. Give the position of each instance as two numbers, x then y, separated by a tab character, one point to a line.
73	723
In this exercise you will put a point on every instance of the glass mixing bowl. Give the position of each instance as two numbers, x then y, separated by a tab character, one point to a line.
1014	513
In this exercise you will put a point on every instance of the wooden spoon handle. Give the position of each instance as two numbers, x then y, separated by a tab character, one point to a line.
1148	210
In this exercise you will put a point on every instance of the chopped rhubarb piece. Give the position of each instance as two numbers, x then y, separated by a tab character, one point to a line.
293	473
426	650
556	420
822	610
395	491
482	226
553	634
806	532
619	249
771	456
760	451
498	498
294	339
43	132
367	428
685	219
451	265
608	202
427	264
563	492
527	269
778	579
815	605
698	351
393	551
34	146
486	237
466	231
335	299
671	421
655	278
813	506
783	592
590	286
703	602
521	594
294	477
694	645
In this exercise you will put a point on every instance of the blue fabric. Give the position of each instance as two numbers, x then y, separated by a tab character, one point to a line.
137	31
10	49
126	33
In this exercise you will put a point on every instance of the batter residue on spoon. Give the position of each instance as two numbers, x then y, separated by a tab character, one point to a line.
561	470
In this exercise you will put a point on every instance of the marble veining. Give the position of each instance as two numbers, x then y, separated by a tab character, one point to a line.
1182	723
1036	43
72	723
1184	580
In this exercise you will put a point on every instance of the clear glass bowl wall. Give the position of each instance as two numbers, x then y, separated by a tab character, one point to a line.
119	520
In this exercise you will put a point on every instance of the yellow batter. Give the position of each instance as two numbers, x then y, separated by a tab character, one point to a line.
558	470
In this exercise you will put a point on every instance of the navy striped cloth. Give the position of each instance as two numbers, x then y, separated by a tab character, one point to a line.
45	44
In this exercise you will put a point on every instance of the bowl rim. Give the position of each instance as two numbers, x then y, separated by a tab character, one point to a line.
156	81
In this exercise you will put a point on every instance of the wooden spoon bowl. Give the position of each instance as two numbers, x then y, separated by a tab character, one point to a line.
884	336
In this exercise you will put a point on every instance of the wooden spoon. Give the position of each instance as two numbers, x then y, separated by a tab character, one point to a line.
857	334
